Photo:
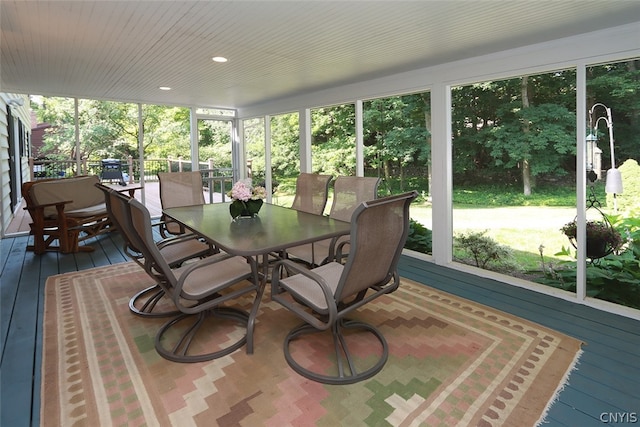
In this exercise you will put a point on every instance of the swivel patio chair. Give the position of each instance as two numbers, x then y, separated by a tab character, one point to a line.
178	189
324	296
175	250
348	193
200	290
311	193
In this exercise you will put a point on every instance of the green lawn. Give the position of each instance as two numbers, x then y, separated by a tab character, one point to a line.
524	229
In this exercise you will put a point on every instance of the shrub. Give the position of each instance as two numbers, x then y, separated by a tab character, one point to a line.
419	238
485	252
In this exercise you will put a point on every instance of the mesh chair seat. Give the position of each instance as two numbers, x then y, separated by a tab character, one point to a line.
323	297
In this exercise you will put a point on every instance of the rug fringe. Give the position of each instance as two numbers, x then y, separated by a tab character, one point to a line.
561	386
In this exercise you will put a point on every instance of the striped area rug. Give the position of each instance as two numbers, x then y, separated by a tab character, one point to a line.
451	362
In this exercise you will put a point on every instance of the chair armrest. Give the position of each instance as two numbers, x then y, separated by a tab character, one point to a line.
218	298
337	253
316	278
175	240
164	230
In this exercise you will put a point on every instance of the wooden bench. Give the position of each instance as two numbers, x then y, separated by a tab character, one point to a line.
65	211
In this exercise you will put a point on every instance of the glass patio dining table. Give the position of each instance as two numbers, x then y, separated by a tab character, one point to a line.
274	229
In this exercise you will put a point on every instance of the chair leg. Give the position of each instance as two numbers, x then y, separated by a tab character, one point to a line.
175	343
144	303
348	374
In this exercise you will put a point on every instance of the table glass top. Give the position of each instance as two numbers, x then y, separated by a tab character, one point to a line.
275	227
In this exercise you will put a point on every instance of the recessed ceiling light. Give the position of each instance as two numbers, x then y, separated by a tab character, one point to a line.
164	88
219	59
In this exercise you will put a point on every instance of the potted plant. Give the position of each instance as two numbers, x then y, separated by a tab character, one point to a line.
602	238
246	199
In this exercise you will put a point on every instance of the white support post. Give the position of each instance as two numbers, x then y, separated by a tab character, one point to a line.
441	153
79	170
304	124
581	180
268	175
141	152
359	139
195	143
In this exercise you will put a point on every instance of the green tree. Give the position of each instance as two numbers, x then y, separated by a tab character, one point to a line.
333	139
285	145
539	136
110	129
515	130
397	133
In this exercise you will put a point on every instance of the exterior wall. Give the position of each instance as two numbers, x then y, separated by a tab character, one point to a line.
5	202
21	112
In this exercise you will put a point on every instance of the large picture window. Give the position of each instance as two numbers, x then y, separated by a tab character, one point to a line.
397	147
613	100
514	186
285	157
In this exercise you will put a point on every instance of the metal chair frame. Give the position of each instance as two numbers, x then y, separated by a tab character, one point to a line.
199	290
176	251
324	296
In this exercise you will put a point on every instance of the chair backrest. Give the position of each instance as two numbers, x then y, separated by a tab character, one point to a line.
379	230
180	189
311	193
349	192
155	264
107	201
119	212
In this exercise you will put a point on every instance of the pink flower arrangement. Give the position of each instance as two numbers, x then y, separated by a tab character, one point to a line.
244	191
246	199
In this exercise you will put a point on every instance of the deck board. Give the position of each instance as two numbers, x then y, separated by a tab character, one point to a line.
605	380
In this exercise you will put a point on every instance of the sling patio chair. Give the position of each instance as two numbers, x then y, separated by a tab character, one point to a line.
207	327
324	296
178	189
176	250
348	193
312	190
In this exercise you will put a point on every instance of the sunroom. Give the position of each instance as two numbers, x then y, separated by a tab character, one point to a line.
375	63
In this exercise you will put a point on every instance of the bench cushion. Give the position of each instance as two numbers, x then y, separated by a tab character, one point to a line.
100	209
81	191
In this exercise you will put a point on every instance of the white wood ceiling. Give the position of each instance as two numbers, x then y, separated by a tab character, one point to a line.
125	50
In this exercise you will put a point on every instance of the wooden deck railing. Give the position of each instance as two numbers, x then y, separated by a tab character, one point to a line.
213	177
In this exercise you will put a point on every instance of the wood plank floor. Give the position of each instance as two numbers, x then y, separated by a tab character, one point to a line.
602	389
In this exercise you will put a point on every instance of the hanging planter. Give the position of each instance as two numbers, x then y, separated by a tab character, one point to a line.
602	238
